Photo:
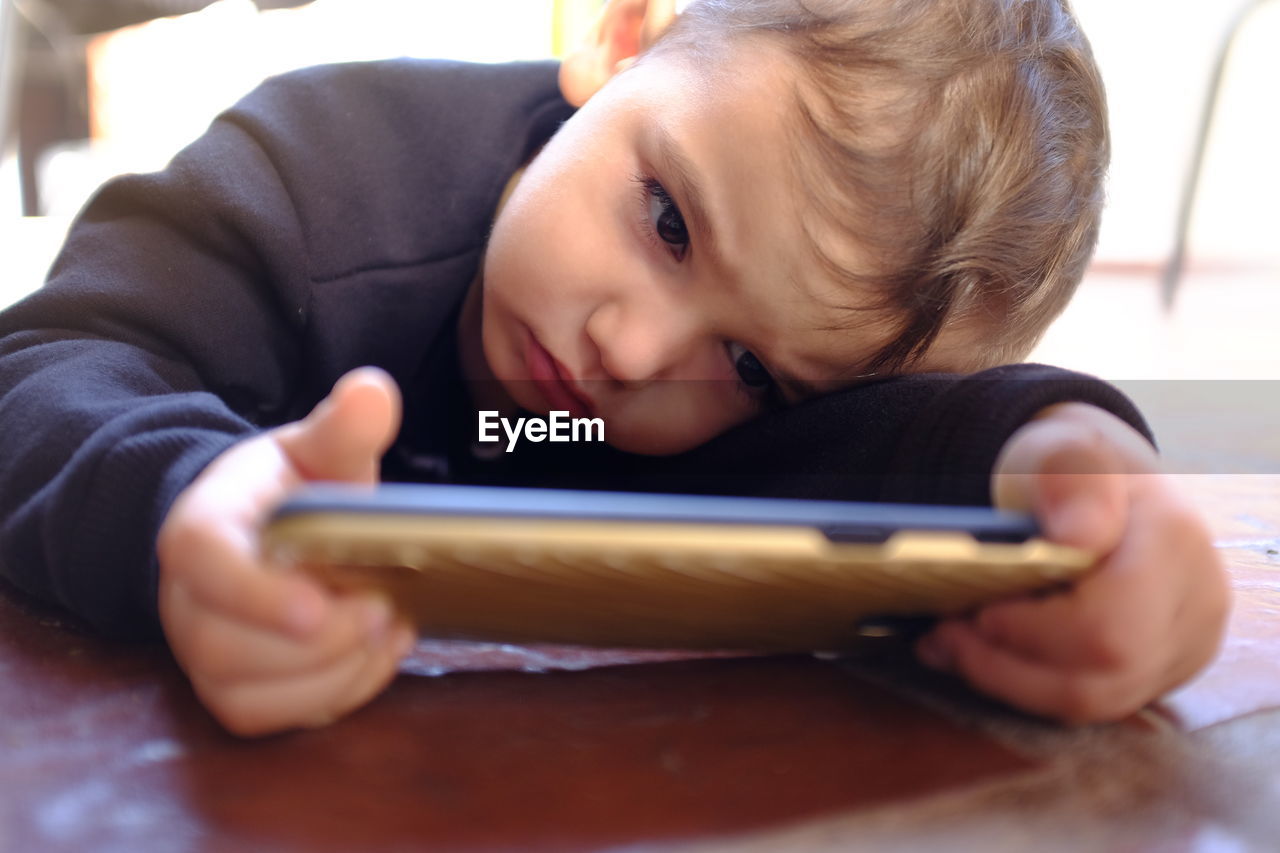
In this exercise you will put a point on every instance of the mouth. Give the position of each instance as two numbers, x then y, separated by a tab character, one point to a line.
554	382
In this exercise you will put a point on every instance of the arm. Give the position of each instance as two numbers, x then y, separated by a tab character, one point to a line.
155	345
194	308
325	222
925	438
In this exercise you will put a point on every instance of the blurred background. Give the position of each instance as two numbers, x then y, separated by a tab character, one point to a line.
92	88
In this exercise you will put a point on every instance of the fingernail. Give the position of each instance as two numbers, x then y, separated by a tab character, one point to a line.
933	653
377	617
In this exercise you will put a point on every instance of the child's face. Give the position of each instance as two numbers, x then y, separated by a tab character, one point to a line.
602	266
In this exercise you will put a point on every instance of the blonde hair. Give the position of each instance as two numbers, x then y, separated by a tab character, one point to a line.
968	143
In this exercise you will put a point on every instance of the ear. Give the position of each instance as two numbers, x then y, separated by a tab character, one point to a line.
623	31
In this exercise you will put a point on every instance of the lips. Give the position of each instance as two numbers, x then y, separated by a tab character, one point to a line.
554	382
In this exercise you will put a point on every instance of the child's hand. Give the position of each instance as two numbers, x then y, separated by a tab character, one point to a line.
1149	615
268	649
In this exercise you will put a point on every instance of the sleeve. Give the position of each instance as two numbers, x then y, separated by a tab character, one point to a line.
928	438
949	449
168	329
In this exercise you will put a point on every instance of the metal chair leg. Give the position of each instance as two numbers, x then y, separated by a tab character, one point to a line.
1177	259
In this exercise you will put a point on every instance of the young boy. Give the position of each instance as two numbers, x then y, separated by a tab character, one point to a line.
773	203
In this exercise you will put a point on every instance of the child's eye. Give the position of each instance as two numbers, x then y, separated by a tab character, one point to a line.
748	367
662	218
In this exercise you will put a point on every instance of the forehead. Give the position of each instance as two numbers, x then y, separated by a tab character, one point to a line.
732	123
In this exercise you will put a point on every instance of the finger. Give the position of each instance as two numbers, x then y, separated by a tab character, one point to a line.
272	705
1041	629
345	436
1071	476
1200	616
1110	619
373	679
1115	618
1074	696
226	651
1084	629
308	700
223	574
1157	605
1081	498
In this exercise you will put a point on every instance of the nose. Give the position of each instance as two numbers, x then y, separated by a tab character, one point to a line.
642	340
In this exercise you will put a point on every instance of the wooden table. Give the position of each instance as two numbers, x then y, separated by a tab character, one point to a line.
476	747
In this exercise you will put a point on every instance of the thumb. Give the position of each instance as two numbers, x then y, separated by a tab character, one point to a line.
1071	477
345	435
1080	497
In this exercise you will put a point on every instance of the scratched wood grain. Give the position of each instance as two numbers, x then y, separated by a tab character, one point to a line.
1244	514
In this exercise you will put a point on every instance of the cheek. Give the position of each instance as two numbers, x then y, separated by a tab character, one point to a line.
517	259
546	246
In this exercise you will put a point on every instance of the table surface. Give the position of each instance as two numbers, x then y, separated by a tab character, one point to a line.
485	747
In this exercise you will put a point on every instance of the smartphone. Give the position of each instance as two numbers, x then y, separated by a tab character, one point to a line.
623	569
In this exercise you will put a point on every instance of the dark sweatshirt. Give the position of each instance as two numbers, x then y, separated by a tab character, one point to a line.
334	218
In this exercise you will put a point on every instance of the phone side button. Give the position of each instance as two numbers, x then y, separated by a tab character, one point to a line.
869	534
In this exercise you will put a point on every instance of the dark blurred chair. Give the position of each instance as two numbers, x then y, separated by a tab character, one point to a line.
43	70
1177	260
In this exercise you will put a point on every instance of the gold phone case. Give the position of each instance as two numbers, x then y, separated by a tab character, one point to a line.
695	580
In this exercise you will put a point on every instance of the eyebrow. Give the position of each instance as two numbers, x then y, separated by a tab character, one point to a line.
688	190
